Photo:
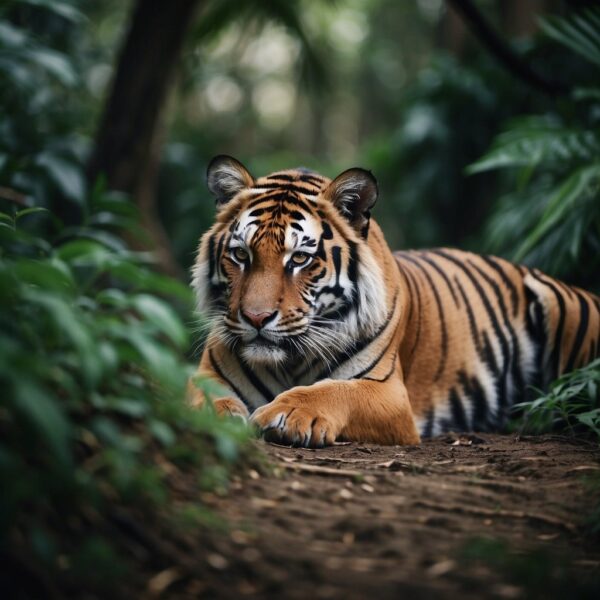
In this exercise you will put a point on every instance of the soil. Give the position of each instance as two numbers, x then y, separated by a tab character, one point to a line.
476	516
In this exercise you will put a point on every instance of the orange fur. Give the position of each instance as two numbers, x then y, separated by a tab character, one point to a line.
362	344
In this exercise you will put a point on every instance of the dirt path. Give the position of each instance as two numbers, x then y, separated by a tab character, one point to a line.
490	516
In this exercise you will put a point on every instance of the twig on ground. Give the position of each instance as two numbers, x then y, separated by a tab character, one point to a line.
316	470
510	514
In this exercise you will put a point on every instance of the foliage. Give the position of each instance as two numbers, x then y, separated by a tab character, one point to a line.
573	403
424	194
93	366
93	373
552	217
38	82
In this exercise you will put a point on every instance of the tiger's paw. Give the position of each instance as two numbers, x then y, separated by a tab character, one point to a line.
283	423
231	407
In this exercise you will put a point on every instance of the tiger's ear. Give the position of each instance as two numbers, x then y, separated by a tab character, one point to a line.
227	176
354	193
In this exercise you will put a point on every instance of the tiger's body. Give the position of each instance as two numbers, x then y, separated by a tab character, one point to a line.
321	333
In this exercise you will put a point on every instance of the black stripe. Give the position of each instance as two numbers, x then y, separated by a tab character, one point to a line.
266	393
584	316
220	373
327	233
514	296
388	374
413	283
569	291
515	356
536	329
590	352
481	406
473	389
282	176
357	346
285	193
470	316
410	294
430	417
219	254
211	257
432	262
267	197
458	412
275	376
353	262
557	346
489	358
315	180
443	328
374	363
493	320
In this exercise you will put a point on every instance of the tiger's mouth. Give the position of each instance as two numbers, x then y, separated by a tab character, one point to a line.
263	351
262	342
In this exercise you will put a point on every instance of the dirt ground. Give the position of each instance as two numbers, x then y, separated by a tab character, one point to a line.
498	516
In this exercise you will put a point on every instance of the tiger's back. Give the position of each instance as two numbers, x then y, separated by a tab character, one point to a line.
482	332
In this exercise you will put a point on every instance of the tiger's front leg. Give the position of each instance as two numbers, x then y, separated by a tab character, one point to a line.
358	410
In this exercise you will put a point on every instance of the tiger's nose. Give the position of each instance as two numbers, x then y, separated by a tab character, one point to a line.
258	319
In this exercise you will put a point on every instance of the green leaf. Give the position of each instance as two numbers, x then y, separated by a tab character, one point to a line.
61	9
68	322
560	203
211	388
68	177
11	37
45	415
85	252
162	316
162	432
129	407
30	211
533	141
53	62
50	276
578	31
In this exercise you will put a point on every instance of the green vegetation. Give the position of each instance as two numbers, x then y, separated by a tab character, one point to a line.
93	420
572	403
94	427
551	213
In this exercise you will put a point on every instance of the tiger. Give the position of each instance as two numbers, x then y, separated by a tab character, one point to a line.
319	333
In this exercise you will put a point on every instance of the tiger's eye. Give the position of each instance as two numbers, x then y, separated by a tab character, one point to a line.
300	258
240	254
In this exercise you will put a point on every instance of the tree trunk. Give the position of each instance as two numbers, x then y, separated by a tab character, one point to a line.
127	146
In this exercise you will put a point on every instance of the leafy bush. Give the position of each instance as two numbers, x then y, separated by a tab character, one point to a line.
92	416
552	213
573	403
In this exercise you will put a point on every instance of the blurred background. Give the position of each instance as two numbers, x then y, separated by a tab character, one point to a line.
137	97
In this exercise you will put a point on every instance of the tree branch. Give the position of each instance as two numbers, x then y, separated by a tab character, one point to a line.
502	51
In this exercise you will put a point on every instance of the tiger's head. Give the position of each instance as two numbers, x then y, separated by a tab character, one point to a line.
286	272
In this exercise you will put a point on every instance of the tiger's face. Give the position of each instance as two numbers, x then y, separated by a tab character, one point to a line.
286	268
